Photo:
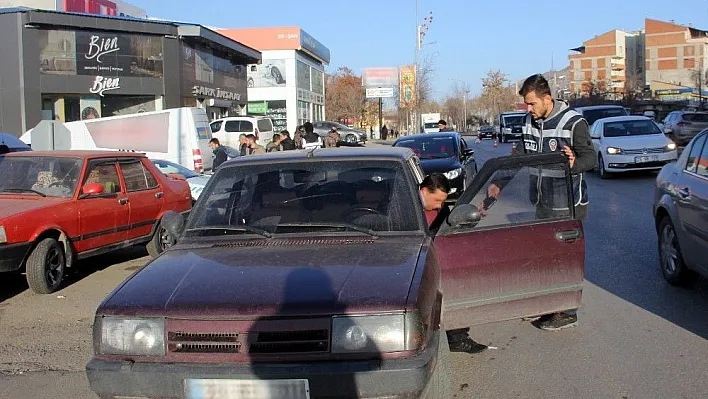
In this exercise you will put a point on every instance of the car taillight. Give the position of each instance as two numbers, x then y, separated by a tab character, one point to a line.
198	162
684	123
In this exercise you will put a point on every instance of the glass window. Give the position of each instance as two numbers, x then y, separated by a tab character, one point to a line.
695	117
693	156
215	126
594	114
171	167
264	125
630	128
431	148
321	196
48	176
238	127
303	76
106	175
702	166
137	177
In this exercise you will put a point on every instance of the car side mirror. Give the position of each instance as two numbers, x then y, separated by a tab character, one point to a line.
173	222
466	215
92	189
468	152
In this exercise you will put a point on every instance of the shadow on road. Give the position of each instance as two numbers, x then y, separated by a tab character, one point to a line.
13	284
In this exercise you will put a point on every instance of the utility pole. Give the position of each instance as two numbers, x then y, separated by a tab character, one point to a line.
420	31
380	116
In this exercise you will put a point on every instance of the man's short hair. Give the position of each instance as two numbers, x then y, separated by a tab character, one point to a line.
214	141
276	136
442	122
537	84
434	182
241	136
251	137
308	127
285	133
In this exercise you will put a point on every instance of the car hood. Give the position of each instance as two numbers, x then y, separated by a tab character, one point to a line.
636	142
11	205
197	183
439	165
286	277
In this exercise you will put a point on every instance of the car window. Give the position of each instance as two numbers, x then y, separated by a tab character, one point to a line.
104	174
50	176
695	117
137	177
702	164
216	126
238	127
528	195
630	128
592	115
430	148
301	197
696	150
169	167
264	125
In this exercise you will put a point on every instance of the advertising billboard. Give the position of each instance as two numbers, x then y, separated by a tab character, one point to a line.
380	77
270	73
407	89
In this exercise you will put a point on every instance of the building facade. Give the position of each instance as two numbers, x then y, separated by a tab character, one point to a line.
610	63
288	86
71	67
98	7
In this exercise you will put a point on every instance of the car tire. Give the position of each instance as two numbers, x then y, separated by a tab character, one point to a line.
160	241
440	385
350	138
275	73
45	266
604	174
670	259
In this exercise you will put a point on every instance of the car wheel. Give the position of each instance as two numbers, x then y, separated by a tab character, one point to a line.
440	383
45	266
671	261
604	174
275	72
350	138
160	241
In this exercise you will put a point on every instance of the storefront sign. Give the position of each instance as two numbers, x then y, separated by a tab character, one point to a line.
100	46
202	91
257	108
102	84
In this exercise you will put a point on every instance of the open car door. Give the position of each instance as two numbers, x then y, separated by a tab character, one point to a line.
521	256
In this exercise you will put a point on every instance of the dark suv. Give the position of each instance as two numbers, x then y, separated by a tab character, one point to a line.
313	274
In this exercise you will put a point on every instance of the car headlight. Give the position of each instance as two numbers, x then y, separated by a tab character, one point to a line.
614	150
453	174
368	334
670	147
3	236
139	337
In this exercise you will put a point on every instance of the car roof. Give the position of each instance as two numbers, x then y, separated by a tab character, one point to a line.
593	107
624	118
239	118
78	154
328	154
427	135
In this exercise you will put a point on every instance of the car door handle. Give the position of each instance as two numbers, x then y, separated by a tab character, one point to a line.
684	193
568	235
158	195
123	201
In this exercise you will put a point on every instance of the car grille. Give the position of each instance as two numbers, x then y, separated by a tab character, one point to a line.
643	151
187	338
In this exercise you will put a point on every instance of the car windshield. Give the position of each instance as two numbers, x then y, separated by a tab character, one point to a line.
591	115
43	176
695	117
306	196
514	120
630	128
430	147
171	167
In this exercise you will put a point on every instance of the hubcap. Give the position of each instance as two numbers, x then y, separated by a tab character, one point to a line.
54	266
669	252
351	139
165	239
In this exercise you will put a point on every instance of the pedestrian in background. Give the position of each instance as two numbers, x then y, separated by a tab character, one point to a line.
243	144
219	152
274	145
332	139
287	143
253	147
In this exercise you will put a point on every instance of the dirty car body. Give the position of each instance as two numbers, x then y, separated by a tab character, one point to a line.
313	274
60	206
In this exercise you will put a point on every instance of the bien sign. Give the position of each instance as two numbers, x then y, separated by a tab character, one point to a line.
102	84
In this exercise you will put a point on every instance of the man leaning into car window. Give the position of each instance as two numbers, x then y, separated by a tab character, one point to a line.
433	193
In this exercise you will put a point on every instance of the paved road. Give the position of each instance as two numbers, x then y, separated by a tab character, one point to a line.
637	338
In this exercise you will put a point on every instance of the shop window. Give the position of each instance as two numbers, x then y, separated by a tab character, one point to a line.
137	177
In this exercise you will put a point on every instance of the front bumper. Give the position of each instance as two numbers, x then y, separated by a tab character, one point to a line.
622	163
399	378
12	255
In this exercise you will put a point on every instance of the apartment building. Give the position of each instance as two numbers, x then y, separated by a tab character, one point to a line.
612	62
674	54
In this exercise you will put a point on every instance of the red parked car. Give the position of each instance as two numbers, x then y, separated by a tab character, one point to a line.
60	206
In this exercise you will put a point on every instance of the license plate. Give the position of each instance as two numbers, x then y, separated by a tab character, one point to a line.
247	389
646	159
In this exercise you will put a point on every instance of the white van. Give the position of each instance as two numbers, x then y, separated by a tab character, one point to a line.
179	135
228	129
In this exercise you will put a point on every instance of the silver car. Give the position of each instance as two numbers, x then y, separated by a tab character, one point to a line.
682	126
347	133
681	214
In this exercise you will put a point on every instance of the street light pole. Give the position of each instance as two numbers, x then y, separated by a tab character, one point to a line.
420	31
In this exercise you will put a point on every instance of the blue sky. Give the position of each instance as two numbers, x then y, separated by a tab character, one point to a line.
469	37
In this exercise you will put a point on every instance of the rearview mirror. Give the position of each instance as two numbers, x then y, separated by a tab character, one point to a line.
468	152
92	189
173	223
464	215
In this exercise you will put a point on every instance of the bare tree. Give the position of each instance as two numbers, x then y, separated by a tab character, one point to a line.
497	95
345	97
699	77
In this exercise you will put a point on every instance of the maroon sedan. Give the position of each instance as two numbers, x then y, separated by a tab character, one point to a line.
312	274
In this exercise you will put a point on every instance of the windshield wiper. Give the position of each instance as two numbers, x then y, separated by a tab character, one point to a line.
233	229
23	190
330	225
